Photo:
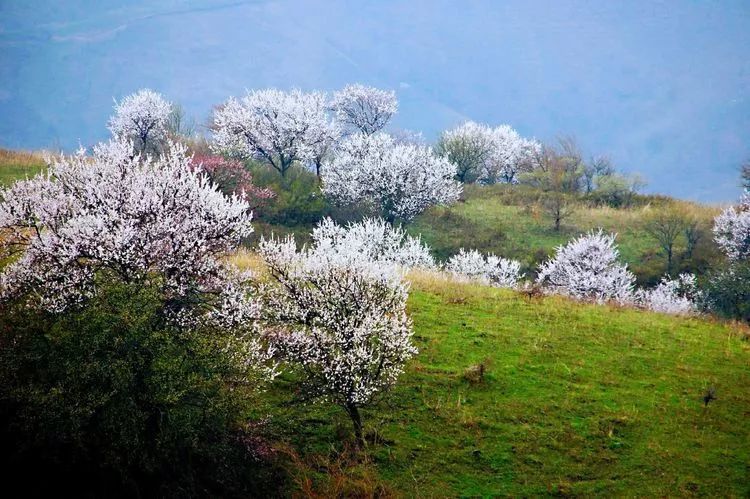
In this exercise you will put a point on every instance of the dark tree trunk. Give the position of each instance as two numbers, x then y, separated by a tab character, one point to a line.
356	418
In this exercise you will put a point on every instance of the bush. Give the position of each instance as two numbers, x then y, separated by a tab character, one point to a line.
298	200
728	291
111	399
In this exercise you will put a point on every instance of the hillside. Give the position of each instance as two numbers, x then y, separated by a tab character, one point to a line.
576	399
507	220
16	165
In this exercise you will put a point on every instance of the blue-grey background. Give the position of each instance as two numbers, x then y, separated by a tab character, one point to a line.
661	86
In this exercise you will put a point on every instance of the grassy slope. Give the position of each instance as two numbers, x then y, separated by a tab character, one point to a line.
577	399
504	220
16	165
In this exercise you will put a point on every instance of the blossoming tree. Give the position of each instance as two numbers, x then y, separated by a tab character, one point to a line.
142	118
274	126
364	109
732	230
395	180
587	268
511	154
343	320
125	217
231	177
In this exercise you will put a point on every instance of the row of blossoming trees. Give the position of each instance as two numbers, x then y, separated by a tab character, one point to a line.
141	212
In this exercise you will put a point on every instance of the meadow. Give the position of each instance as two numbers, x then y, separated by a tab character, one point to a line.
523	396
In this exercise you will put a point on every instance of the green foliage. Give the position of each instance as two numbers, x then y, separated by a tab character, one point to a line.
112	399
574	399
728	291
298	199
617	191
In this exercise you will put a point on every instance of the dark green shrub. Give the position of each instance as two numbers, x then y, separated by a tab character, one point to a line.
111	399
728	291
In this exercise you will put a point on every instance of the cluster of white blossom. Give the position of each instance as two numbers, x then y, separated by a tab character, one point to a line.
489	269
364	109
375	240
511	154
587	268
127	215
396	180
671	296
488	154
275	126
141	119
342	318
732	230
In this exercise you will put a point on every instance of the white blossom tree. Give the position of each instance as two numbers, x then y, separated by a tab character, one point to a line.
395	180
732	230
489	269
365	109
511	155
343	321
468	146
322	141
671	296
124	216
375	240
274	126
587	268
142	119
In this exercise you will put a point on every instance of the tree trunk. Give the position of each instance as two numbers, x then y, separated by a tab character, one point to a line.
353	412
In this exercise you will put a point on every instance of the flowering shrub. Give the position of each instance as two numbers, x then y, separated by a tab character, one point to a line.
732	230
142	119
489	269
343	318
231	176
671	296
396	180
587	269
375	240
128	217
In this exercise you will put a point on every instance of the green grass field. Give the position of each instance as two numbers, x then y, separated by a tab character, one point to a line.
577	399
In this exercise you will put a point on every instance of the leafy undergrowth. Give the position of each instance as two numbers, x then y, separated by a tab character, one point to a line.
519	395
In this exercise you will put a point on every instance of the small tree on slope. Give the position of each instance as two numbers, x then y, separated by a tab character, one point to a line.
344	321
142	119
587	268
365	109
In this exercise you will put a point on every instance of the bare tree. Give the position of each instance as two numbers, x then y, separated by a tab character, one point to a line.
178	124
666	224
556	205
